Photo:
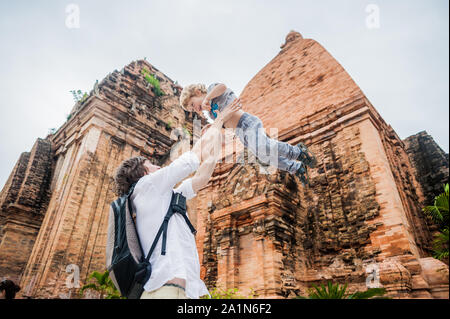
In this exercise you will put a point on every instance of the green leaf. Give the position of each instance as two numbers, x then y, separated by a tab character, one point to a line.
369	293
338	291
89	286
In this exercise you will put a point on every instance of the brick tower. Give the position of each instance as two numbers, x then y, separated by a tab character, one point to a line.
361	216
121	118
359	222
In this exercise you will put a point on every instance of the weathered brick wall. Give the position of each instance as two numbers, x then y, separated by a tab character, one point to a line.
410	190
430	163
121	118
24	199
12	187
34	189
362	208
242	227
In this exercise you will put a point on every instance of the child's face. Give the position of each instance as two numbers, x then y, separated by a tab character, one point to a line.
195	104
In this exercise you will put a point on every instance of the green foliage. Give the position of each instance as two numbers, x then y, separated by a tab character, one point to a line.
186	131
102	283
232	293
337	291
329	292
439	211
169	125
439	214
152	81
440	245
79	96
369	293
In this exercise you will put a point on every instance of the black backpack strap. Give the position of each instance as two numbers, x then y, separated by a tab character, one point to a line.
130	191
161	229
165	225
188	222
177	205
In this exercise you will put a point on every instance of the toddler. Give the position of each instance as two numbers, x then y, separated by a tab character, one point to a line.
249	128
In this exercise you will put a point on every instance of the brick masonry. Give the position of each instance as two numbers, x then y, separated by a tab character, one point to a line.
430	163
362	211
24	200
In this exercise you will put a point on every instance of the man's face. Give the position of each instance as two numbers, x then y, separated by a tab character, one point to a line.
150	167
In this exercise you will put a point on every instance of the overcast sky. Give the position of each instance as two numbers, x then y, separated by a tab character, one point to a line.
400	61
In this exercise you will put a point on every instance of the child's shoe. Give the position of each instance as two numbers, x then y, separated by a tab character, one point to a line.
306	156
302	173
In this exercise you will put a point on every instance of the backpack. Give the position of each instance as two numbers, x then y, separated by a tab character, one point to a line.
128	269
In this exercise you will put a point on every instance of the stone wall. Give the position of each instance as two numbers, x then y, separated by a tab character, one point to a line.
362	210
23	202
430	163
121	118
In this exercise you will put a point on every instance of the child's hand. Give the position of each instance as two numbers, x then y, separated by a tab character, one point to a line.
206	104
226	114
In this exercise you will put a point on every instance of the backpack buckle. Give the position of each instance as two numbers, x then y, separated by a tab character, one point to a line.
178	202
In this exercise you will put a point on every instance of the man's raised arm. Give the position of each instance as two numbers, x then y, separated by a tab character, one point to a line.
212	146
167	177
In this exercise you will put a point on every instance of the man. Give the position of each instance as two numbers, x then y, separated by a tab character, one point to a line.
177	273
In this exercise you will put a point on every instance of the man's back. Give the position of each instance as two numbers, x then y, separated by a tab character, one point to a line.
150	200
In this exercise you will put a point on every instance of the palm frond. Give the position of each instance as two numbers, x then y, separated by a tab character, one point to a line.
439	214
369	293
89	286
439	211
434	213
337	291
440	244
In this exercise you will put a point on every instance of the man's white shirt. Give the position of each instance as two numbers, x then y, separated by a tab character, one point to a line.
150	200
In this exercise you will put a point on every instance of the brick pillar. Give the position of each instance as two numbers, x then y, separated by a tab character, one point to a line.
23	200
74	229
394	236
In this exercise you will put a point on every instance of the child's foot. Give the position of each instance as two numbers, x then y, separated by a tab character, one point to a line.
302	173
306	156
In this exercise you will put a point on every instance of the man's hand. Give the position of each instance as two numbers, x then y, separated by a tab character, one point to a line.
211	146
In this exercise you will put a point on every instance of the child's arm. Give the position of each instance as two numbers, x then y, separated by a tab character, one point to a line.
218	90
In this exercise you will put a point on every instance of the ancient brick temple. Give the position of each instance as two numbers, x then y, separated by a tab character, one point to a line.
359	222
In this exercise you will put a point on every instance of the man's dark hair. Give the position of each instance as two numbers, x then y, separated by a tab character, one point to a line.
129	171
10	288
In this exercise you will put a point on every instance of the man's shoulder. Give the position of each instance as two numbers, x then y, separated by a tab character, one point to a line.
144	182
185	189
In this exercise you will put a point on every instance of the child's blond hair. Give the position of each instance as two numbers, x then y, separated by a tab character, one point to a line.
188	92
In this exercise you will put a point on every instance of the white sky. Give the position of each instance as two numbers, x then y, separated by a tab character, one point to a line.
402	66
